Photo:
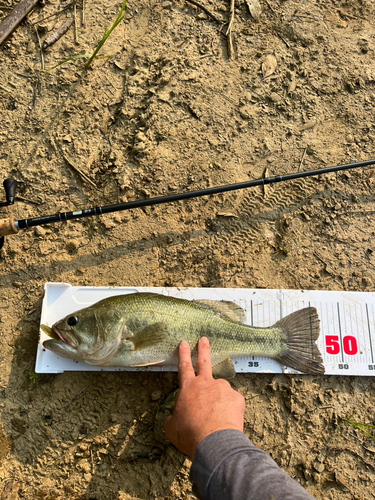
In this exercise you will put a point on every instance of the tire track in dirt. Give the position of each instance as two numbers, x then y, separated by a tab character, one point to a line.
259	214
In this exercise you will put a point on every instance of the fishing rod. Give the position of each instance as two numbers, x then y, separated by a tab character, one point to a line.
12	226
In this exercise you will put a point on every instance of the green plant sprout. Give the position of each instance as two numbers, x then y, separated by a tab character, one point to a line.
359	425
33	376
116	22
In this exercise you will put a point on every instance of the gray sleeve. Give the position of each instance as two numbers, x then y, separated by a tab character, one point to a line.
227	466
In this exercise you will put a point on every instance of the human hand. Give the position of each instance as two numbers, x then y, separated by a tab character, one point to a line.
203	405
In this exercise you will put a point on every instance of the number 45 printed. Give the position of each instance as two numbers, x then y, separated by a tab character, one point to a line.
349	344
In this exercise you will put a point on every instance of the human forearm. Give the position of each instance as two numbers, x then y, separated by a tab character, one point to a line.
227	466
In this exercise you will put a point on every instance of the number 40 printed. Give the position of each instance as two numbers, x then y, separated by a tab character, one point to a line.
349	344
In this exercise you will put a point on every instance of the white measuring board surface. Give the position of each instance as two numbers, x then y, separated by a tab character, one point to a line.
347	324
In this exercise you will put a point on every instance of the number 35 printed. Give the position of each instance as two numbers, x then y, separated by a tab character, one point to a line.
349	344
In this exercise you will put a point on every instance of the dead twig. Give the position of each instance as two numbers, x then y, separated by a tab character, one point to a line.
75	23
36	90
67	7
69	162
102	404
10	23
84	176
229	31
302	159
207	11
56	35
41	49
270	6
27	200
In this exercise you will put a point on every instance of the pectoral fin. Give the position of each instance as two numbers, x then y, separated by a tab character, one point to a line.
225	369
147	363
229	309
149	336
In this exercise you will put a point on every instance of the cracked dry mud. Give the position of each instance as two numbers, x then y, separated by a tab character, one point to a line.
170	112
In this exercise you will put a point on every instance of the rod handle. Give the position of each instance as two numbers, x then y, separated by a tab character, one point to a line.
10	187
7	227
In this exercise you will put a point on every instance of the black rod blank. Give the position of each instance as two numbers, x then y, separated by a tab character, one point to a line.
37	221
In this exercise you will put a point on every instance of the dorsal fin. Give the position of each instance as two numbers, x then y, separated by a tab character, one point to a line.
224	369
229	309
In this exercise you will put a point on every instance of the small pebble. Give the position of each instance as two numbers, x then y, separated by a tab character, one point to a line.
30	47
40	231
319	467
17	284
73	245
275	98
367	282
81	270
166	5
156	395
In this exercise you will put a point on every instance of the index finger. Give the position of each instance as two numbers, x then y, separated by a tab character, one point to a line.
185	366
204	366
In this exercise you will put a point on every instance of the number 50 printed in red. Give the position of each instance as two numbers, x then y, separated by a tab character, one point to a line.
349	344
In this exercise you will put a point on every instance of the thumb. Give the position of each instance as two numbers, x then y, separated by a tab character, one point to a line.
168	426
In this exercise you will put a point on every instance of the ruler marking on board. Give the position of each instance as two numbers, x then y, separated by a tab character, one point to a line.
359	333
328	309
340	333
363	340
351	326
364	329
252	317
311	336
336	328
369	334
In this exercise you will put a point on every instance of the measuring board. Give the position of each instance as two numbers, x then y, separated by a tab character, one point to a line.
347	324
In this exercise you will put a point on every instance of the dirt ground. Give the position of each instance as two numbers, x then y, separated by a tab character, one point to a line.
170	111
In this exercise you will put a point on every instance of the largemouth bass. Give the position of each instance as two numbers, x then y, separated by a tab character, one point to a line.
145	329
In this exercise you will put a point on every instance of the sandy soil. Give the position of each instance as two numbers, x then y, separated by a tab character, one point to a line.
169	112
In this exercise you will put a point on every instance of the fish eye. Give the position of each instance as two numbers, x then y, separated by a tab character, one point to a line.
73	320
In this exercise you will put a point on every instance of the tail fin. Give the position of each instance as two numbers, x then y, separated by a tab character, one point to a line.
301	329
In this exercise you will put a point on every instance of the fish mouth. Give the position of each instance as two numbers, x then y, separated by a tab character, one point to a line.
65	336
